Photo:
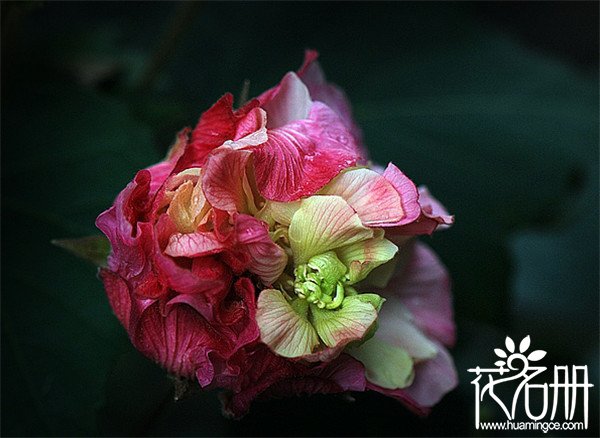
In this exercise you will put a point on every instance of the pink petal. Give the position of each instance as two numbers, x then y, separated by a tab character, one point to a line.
194	244
127	254
180	339
266	375
262	370
408	193
178	148
300	158
223	179
130	235
341	375
179	278
289	102
423	286
313	77
267	259
374	198
433	217
198	302
254	121
239	314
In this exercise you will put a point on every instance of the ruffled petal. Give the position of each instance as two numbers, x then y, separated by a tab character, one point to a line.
267	259
175	276
178	340
343	374
266	375
118	295
216	125
251	129
433	216
299	158
396	328
408	194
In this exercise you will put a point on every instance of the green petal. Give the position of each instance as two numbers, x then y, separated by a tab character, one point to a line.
350	322
385	365
373	299
283	326
323	223
396	327
362	257
381	275
282	212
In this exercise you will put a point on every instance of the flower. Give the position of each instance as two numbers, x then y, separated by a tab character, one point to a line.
256	257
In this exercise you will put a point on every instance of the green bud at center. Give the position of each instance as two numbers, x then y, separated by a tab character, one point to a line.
321	281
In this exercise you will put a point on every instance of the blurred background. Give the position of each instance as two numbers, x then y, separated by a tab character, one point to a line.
493	105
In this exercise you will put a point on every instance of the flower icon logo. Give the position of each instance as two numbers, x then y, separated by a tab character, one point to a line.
524	345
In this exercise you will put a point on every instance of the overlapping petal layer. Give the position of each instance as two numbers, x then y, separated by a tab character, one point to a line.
255	257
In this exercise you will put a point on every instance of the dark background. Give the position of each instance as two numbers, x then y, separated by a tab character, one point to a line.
493	105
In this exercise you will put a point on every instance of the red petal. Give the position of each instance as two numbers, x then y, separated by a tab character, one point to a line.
179	342
118	295
216	125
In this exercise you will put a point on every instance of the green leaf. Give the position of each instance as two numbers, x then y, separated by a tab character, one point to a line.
94	249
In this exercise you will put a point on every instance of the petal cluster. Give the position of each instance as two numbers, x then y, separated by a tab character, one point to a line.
265	256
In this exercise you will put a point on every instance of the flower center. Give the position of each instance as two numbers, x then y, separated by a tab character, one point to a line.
322	280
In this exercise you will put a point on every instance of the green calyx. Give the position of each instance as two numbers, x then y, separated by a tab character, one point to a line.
322	281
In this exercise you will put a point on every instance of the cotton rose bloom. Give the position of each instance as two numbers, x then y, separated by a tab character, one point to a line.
257	257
